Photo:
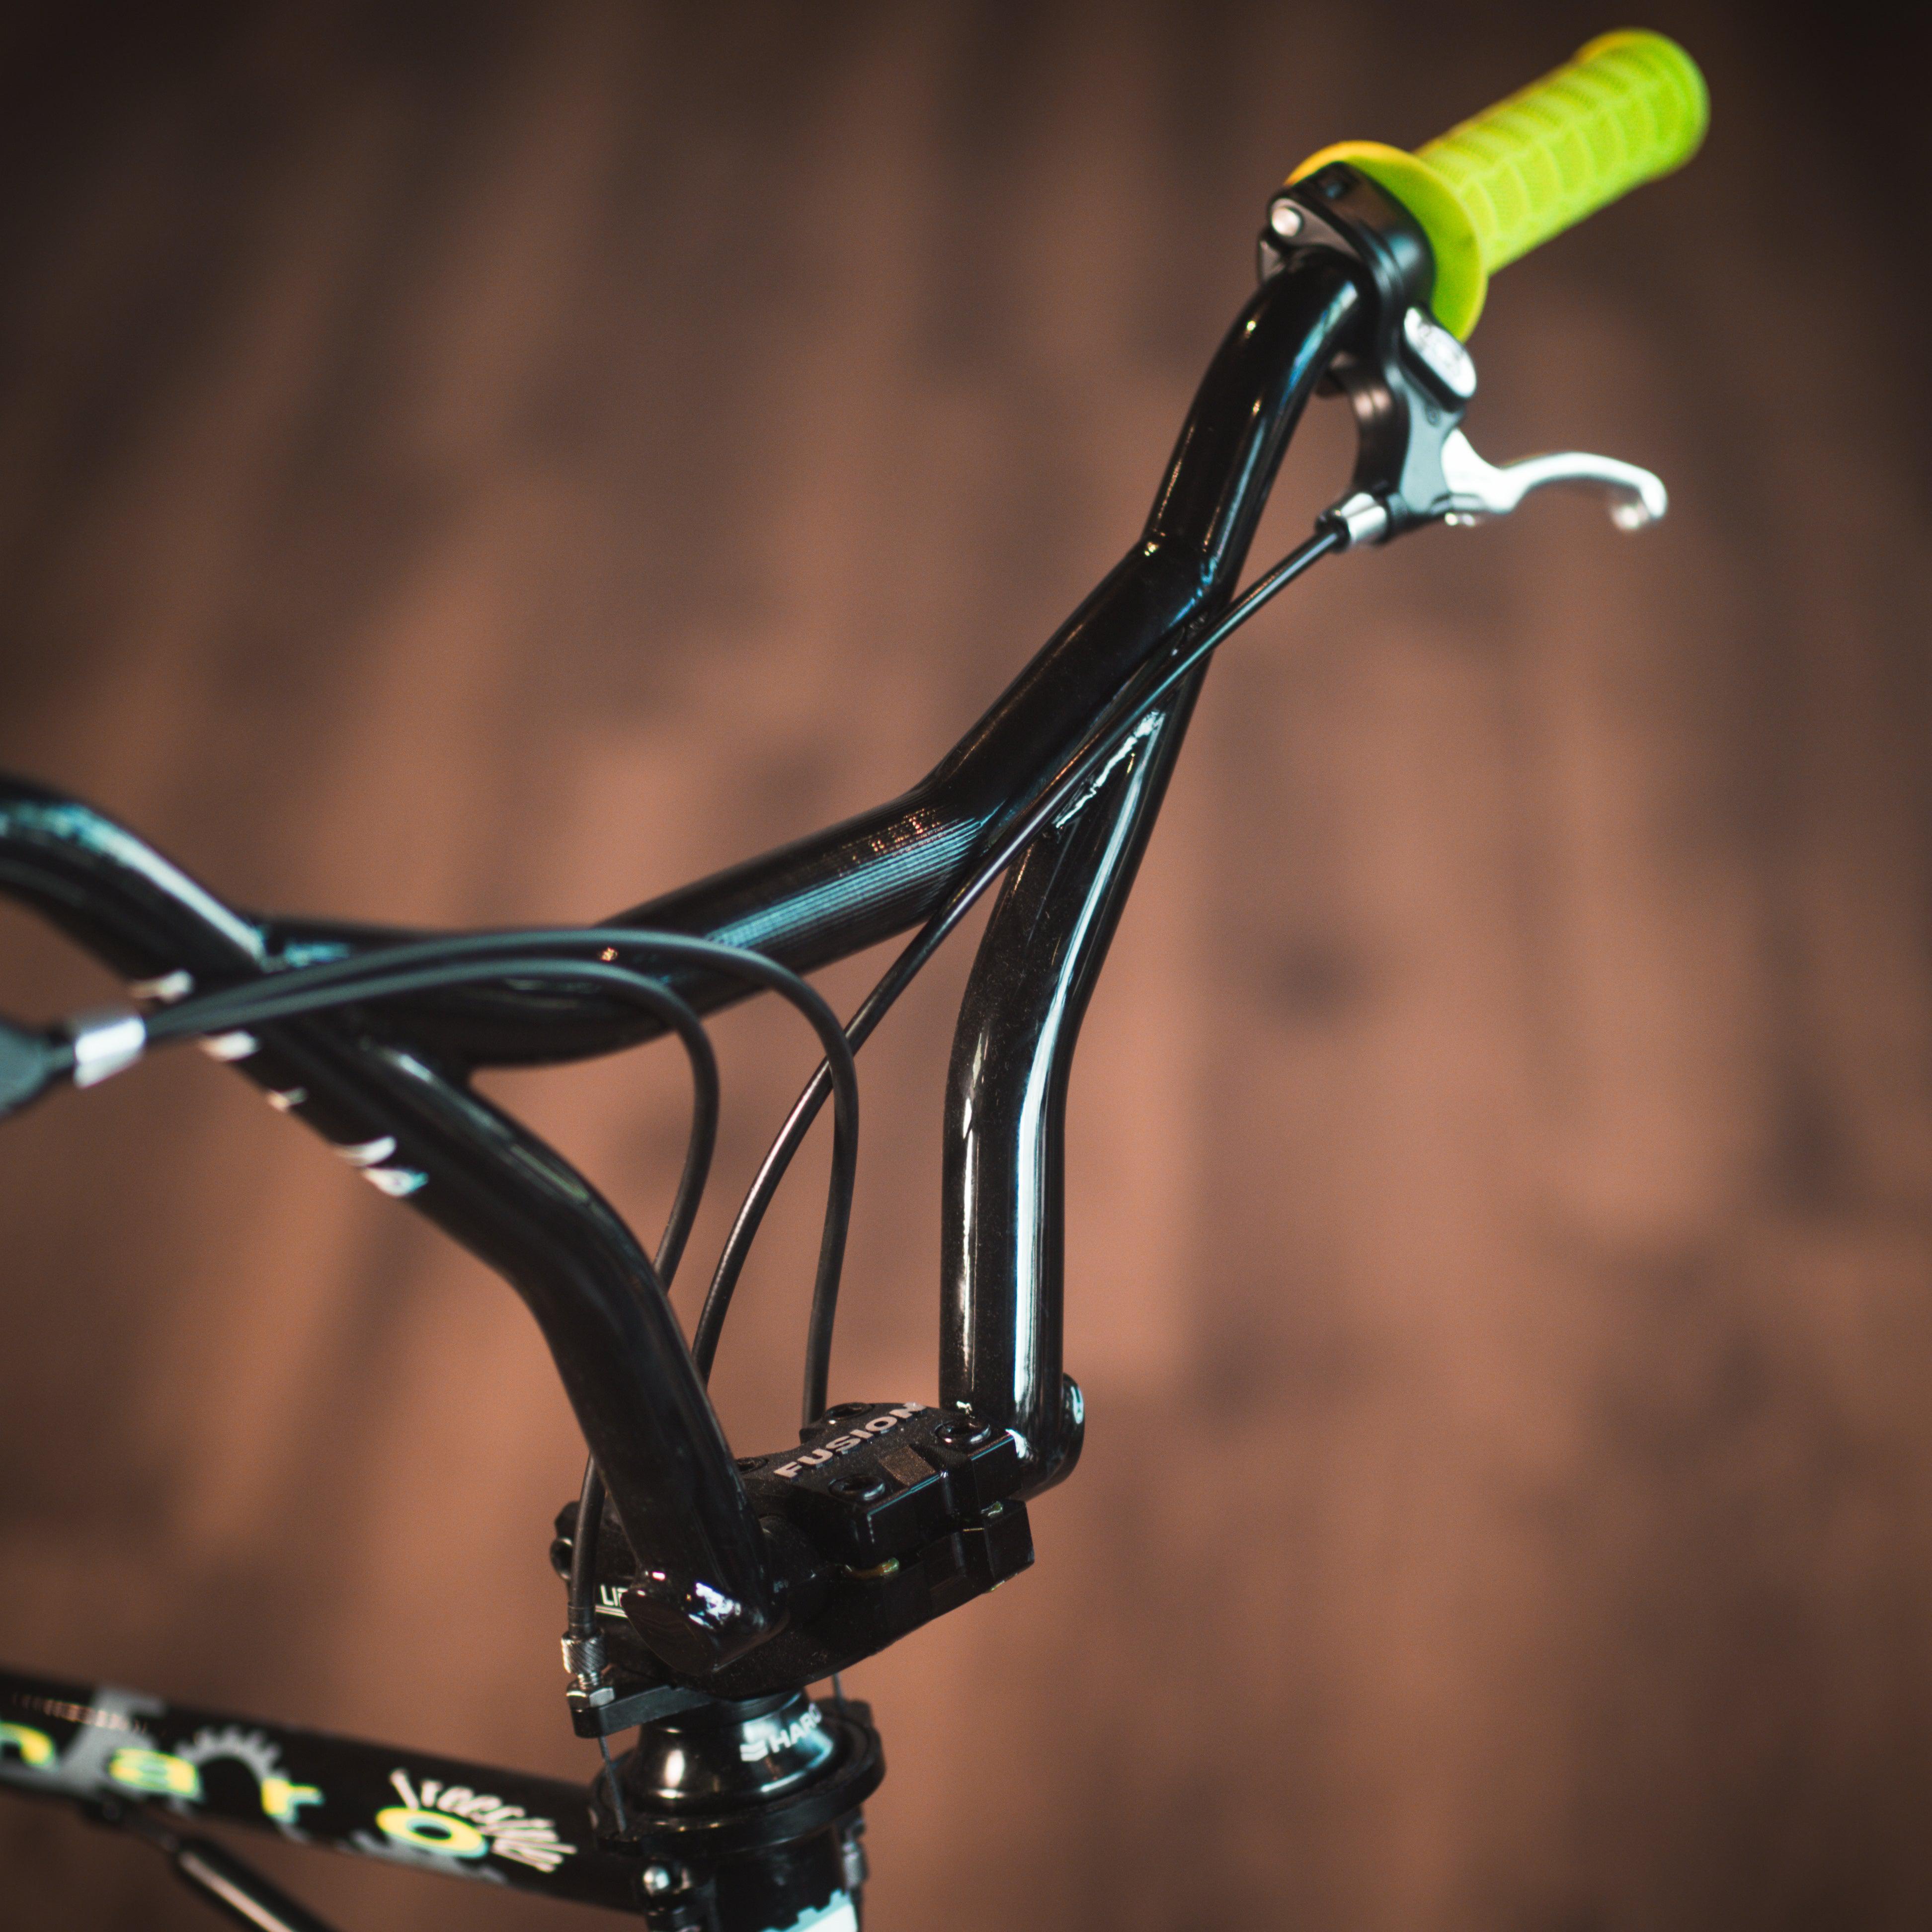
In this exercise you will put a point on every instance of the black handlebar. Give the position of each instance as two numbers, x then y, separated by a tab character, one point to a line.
398	1075
858	883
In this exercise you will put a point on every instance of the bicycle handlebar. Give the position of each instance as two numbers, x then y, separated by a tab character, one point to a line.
498	1190
856	884
1347	297
1629	107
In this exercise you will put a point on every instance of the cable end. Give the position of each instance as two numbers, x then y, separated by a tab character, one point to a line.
30	1062
1360	519
104	1042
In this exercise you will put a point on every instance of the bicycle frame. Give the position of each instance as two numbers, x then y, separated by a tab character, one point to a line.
390	1088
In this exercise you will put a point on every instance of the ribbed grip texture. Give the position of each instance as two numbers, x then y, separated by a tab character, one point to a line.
1631	106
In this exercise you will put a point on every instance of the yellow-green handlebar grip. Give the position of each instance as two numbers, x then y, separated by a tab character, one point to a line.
1629	107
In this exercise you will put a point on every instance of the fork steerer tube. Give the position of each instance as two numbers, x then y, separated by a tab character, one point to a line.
387	1086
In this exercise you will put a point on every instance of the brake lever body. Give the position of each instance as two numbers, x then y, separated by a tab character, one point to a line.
1409	381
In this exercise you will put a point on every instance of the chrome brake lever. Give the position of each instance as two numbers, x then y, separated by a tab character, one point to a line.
1478	489
1415	465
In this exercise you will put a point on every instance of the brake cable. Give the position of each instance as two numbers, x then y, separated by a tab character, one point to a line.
1119	720
104	1043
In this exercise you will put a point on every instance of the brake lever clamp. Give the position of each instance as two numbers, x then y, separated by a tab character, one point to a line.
1408	380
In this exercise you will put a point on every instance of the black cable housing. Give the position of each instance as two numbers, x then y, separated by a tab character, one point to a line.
1115	723
423	964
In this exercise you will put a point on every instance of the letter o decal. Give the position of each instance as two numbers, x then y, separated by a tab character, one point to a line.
431	1831
35	1748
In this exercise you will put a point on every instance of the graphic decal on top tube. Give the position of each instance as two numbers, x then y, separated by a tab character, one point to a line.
104	1746
282	1799
456	1822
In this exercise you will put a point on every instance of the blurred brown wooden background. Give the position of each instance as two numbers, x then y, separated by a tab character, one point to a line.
479	463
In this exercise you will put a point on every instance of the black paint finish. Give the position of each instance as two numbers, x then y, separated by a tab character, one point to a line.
89	1743
428	1139
854	884
389	1087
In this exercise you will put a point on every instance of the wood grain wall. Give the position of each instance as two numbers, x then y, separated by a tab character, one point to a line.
490	462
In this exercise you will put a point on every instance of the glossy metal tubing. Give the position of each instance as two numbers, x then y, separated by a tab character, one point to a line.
856	884
395	1101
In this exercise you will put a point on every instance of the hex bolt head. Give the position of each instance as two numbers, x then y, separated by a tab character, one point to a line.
962	1431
